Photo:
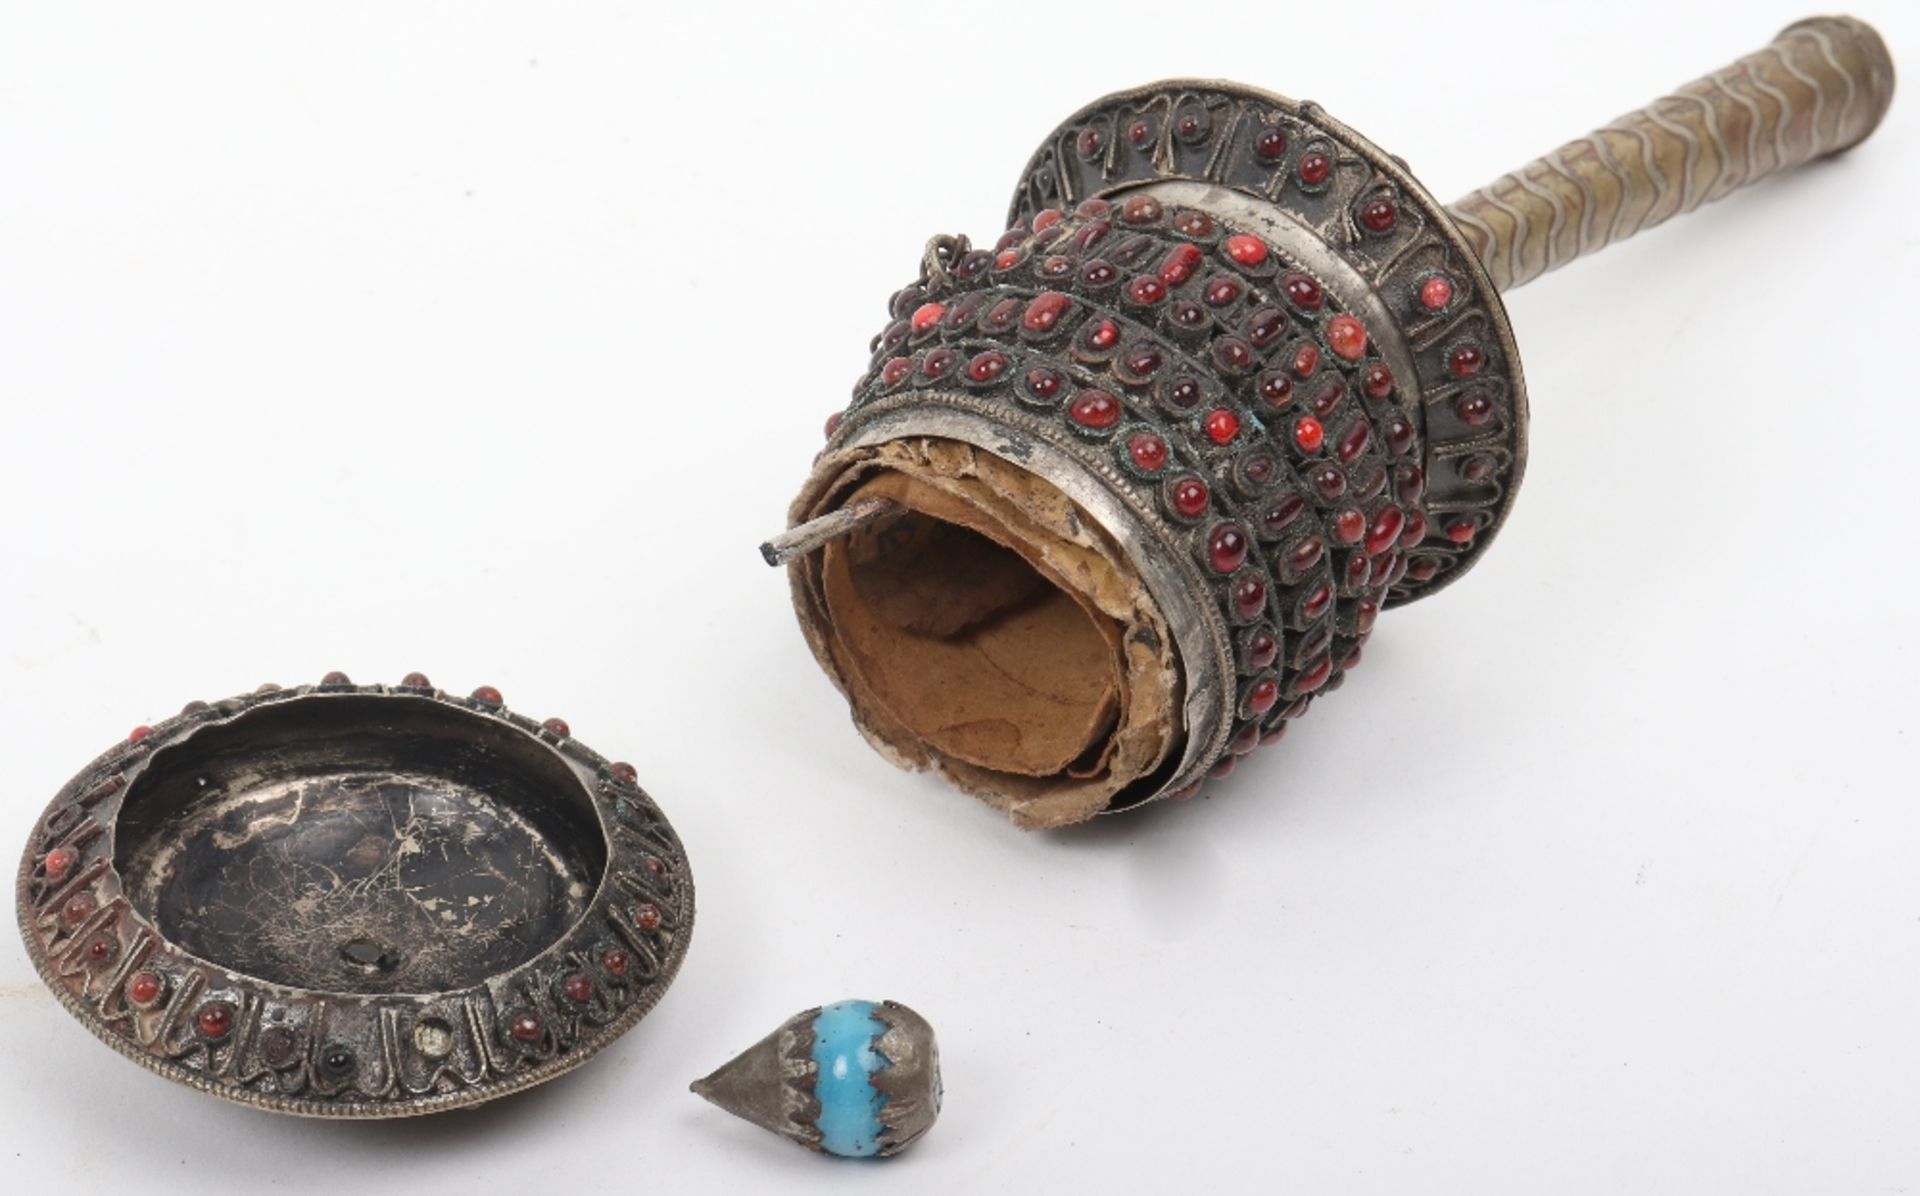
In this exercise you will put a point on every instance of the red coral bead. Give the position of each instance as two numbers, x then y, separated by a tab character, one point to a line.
1347	337
1222	425
1095	409
1190	497
927	315
59	862
144	988
1148	451
1436	293
1246	249
1045	311
1226	548
1308	434
139	733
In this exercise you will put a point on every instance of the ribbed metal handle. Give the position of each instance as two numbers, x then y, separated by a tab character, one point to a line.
1819	88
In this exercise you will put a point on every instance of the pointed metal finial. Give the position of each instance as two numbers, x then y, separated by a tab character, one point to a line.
859	1079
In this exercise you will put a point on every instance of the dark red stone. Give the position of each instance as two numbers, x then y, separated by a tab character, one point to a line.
525	1026
1233	354
1276	389
1315	676
487	695
1090	141
1327	397
1349	525
1043	384
1094	408
1182	392
1056	266
1364	614
616	961
1477	468
1139	132
1409	483
1193	224
1249	596
139	733
1223	768
655	865
1246	249
1101	335
1187	314
1359	569
833	423
416	681
1399	435
1090	234
1306	359
1436	293
1328	482
101	949
1461	531
1273	734
1466	360
623	772
1140	209
1303	292
1265	326
78	909
1306	554
1262	695
1141	362
1313	168
1271	144
1317	603
578	987
1416	529
58	863
647	916
197	706
1354	440
987	366
938	363
1192	125
1045	311
1263	648
1093	209
1377	381
214	1019
336	677
1379	215
1046	218
1245	739
1308	434
896	370
1221	291
1226	548
1007	259
1147	451
927	315
1222	425
1181	262
1423	568
1282	514
1474	409
1189	497
1099	272
1385	531
144	988
1146	290
558	726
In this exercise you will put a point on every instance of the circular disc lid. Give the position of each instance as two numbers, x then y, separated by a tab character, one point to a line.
355	901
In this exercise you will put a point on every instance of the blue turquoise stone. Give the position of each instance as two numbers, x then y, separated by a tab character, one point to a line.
843	1038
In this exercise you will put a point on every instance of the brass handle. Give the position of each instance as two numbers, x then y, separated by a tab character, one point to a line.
1819	88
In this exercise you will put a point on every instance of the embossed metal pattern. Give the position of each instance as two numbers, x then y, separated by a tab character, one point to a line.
1820	87
179	890
1303	168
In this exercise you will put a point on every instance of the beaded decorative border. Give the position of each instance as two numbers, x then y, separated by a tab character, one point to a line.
1370	210
344	1054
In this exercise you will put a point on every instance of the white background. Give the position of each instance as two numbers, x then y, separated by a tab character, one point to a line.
491	342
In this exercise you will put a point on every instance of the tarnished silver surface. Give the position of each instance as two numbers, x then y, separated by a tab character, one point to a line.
355	901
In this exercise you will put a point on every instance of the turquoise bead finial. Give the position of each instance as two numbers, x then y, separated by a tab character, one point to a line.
858	1079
